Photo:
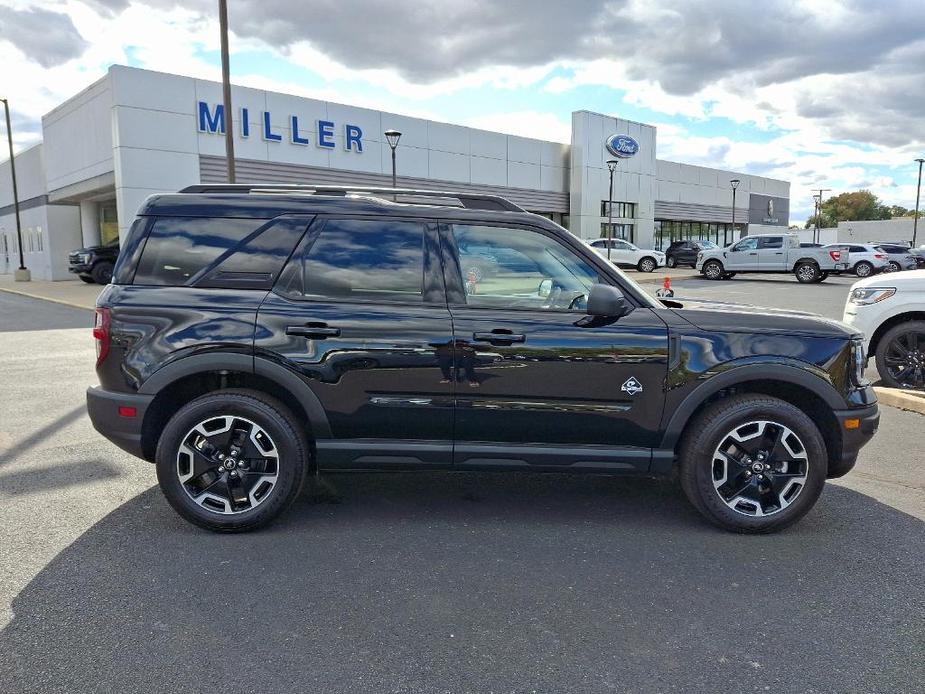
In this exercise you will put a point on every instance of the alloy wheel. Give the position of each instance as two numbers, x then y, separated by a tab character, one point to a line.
228	464
806	273
759	468
647	265
862	270
905	359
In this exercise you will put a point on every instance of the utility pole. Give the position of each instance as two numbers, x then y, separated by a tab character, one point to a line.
817	236
734	183
918	190
226	89
22	274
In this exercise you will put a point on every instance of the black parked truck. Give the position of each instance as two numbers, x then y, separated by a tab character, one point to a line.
253	335
94	264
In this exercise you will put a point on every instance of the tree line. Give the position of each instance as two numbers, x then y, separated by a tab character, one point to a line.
856	206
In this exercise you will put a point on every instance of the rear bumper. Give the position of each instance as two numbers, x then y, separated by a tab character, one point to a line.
853	439
122	429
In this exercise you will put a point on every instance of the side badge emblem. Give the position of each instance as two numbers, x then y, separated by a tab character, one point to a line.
632	386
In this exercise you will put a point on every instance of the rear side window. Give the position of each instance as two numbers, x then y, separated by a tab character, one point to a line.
359	259
178	248
771	242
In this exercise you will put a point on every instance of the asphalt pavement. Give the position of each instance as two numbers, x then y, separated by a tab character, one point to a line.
426	582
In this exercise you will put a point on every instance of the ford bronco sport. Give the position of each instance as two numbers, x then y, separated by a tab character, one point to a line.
252	335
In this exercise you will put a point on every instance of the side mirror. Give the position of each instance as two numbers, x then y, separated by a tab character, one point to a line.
607	302
545	289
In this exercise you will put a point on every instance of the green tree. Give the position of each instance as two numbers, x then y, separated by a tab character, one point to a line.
899	211
856	206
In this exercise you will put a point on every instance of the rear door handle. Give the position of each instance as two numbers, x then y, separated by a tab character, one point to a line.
499	337
315	331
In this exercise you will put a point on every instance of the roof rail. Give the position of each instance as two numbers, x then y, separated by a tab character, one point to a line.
477	201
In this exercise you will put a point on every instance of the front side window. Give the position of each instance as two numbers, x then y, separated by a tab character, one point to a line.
750	244
517	268
374	260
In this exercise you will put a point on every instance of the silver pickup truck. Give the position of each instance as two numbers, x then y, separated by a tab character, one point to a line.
772	253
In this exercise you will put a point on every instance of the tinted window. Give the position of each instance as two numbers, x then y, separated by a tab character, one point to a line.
180	247
378	260
857	249
771	242
517	268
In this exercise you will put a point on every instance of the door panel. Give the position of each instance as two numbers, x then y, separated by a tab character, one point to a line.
561	387
742	256
771	254
373	355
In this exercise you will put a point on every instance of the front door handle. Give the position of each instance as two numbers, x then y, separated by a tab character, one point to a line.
315	331
499	337
754	253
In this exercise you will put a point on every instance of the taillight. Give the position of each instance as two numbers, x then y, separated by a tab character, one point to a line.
879	256
101	334
836	255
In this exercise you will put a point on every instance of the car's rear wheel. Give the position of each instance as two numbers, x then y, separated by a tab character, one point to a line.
863	269
823	276
102	272
646	264
753	463
712	270
807	273
900	355
232	460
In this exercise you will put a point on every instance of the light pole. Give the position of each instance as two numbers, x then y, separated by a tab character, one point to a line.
226	89
22	274
918	190
611	166
735	184
392	137
818	199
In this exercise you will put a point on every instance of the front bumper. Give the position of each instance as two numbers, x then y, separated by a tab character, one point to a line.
80	268
124	430
857	427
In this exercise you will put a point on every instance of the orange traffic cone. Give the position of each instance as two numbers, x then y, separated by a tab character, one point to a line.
666	292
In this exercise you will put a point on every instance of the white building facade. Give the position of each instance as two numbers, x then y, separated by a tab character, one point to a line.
135	133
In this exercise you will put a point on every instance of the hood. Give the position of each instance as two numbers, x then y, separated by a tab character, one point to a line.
910	279
719	316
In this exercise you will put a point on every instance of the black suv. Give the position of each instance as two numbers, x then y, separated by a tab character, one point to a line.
94	263
685	252
253	335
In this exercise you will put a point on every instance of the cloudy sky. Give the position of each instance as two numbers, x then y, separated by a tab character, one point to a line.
823	94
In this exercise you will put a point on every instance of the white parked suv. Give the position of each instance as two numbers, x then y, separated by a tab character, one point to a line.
890	309
864	259
625	254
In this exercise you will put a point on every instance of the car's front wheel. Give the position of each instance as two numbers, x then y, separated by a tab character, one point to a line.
712	270
232	460
901	355
646	264
753	463
102	272
87	279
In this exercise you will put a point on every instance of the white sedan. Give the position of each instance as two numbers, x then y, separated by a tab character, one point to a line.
889	309
625	254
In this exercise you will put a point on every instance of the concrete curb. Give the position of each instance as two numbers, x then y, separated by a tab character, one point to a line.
909	400
46	298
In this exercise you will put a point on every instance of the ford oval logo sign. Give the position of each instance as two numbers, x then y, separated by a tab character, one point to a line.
622	146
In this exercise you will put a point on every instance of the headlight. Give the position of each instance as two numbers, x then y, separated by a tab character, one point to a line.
871	295
858	363
84	258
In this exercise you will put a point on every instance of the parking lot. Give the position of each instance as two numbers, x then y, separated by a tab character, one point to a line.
425	582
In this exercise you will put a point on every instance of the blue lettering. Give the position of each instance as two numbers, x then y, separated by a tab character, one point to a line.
245	123
325	132
268	134
353	136
296	140
209	122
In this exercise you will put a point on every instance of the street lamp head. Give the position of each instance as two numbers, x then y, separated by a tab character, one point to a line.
734	183
392	136
612	165
920	161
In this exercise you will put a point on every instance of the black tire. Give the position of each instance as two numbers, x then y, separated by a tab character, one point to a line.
102	272
87	279
671	262
646	264
728	275
699	463
823	276
712	270
807	273
863	269
288	442
895	267
898	370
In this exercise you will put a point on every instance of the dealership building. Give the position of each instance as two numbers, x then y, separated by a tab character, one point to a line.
135	133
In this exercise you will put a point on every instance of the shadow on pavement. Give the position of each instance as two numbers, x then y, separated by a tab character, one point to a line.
58	476
18	448
463	582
